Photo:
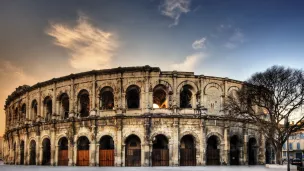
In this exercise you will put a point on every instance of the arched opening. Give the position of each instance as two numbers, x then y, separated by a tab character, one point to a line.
187	151
83	151
186	97
132	97
63	154
160	97
46	152
213	153
252	151
34	109
106	98
48	108
23	111
64	102
268	153
33	153
133	151
84	103
16	114
15	153
160	151
22	153
234	150
106	151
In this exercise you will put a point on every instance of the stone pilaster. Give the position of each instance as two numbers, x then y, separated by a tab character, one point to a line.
72	96
175	141
245	156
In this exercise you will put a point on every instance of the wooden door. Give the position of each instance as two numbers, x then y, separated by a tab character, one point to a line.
133	157
187	157
213	156
160	157
63	158
83	158
234	157
106	157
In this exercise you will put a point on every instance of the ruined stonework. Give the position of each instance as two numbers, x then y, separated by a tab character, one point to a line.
133	116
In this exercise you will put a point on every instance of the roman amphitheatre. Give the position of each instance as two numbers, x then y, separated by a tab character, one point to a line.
128	116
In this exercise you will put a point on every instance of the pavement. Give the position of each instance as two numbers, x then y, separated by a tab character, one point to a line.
197	168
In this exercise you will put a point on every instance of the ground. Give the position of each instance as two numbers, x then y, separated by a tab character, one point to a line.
199	168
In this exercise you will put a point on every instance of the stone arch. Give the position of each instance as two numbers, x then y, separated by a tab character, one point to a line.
63	100
44	137
132	133
195	136
218	135
63	147
187	82
133	96
132	83
132	145
61	92
232	88
161	133
213	150
215	85
213	95
46	93
111	134
189	150
106	98
160	96
83	134
48	107
161	82
84	102
34	109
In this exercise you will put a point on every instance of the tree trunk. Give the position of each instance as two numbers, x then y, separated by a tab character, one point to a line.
279	156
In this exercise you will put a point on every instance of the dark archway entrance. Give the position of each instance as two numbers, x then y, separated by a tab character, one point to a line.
33	153
83	151
234	150
252	151
213	153
269	153
63	153
133	97
46	149
187	151
15	153
160	151
22	153
106	151
133	151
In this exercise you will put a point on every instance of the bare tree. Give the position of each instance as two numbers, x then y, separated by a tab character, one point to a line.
266	99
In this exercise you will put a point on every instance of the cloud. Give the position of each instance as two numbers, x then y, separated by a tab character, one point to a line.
174	9
89	47
235	40
190	63
198	44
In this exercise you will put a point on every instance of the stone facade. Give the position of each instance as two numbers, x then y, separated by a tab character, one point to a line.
136	115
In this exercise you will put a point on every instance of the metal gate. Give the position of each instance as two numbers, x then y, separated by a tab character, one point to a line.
187	157
133	157
213	156
160	157
234	157
63	158
106	157
83	158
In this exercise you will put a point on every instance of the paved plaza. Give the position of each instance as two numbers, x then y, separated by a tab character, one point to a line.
198	168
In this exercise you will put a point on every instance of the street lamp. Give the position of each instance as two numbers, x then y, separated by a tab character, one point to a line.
286	124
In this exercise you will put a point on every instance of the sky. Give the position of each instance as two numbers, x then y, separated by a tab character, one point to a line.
41	40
